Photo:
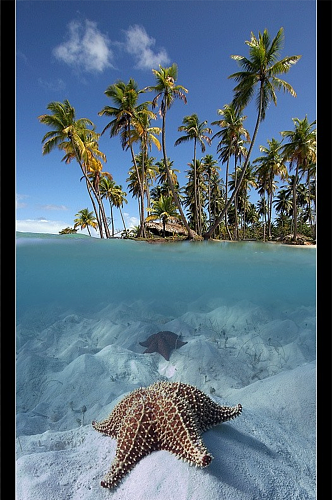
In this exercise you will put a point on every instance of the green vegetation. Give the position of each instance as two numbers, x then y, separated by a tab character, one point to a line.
216	207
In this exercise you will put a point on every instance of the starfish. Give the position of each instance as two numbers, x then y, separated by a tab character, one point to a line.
163	416
162	342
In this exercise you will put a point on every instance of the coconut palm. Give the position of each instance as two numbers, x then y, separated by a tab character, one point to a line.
162	177
217	200
193	193
196	131
167	90
78	139
233	137
261	69
85	219
163	209
300	151
271	164
146	135
148	163
248	181
282	202
262	209
310	170
115	196
125	113
210	169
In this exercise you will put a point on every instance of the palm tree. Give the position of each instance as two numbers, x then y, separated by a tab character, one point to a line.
262	209
311	185
119	198
162	177
196	131
217	201
150	174
282	202
78	139
195	189
271	164
261	69
284	206
210	169
146	134
231	143
125	114
249	181
163	209
85	219
300	150
115	196
167	90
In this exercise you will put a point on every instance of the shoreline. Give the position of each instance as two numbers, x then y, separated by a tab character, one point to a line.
170	239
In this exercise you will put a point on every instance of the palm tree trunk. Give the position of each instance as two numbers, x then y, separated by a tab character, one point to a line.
295	203
123	221
141	191
235	204
91	186
164	227
264	224
207	235
195	190
270	212
112	219
170	181
141	194
226	194
100	227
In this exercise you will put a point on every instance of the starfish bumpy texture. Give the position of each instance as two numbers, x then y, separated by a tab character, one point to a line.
163	416
163	342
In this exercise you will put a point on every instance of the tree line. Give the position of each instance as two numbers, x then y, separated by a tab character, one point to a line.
215	207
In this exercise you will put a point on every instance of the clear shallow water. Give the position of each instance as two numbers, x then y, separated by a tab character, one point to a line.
247	314
88	273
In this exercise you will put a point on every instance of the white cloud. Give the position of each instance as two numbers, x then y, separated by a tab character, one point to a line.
53	207
86	48
40	225
19	202
54	86
130	221
139	44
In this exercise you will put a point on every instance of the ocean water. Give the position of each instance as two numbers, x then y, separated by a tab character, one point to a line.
87	273
247	312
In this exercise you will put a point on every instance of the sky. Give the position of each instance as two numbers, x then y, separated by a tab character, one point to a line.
75	49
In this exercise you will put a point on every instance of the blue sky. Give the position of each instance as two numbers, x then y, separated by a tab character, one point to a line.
75	49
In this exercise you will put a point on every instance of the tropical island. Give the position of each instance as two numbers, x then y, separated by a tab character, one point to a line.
216	208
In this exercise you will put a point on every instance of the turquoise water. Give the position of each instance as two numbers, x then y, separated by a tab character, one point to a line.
246	312
86	273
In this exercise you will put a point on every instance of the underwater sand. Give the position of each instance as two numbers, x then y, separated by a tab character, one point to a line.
247	312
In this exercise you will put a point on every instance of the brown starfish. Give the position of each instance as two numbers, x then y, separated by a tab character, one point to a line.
164	416
163	343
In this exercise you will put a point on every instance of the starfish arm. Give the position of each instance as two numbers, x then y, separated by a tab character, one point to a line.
208	412
152	347
135	440
164	349
149	340
178	432
107	426
111	425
